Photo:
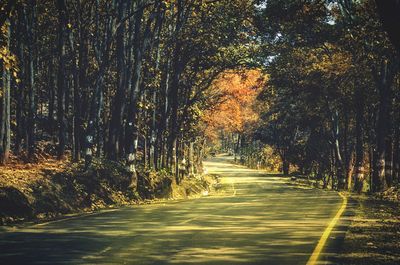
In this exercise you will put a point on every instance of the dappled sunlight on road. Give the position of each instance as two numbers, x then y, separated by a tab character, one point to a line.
224	165
256	218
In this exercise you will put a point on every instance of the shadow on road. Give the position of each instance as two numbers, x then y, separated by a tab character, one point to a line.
255	219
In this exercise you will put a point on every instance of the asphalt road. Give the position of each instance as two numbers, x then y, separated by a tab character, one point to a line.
256	218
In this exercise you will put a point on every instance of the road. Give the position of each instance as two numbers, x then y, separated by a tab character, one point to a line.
256	218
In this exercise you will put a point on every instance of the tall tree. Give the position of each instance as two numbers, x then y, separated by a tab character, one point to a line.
5	138
31	119
61	83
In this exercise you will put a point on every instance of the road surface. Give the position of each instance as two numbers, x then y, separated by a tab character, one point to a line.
256	218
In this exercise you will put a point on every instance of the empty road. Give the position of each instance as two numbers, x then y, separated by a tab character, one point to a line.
255	218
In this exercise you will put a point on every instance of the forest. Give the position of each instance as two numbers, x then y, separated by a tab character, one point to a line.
200	131
330	107
312	85
123	80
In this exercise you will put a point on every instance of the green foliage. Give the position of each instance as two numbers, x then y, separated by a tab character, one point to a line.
323	60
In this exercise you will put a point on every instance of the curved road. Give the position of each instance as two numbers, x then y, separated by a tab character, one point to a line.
255	219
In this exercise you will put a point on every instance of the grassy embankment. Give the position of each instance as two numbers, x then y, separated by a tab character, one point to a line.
51	189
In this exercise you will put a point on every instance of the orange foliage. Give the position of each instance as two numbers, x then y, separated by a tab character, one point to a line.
236	111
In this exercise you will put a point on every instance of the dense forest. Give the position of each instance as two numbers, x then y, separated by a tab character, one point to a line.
123	80
313	84
330	108
200	131
333	94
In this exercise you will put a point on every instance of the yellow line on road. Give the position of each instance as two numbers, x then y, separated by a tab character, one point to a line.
322	241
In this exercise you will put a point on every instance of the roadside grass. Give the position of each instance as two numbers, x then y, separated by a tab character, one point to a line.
51	189
373	237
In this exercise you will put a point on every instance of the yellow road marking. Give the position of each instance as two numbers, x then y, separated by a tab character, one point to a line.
322	241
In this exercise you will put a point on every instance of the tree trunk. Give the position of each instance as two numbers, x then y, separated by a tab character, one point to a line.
384	81
359	160
350	170
141	43
118	105
51	97
5	135
396	156
79	101
153	128
131	135
285	166
389	162
75	88
19	95
61	79
340	172
165	81
31	83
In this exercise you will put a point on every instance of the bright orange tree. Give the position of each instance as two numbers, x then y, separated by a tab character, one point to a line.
235	112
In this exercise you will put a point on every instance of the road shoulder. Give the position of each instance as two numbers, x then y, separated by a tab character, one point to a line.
373	236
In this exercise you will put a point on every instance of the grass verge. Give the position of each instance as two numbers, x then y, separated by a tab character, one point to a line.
51	189
373	238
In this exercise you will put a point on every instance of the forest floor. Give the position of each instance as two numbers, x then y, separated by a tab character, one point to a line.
52	189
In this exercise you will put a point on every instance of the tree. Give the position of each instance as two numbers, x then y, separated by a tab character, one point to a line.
123	80
7	61
342	67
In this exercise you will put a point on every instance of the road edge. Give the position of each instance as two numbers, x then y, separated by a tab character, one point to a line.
328	230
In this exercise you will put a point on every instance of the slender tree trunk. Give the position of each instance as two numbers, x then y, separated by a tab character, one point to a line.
131	135
340	171
61	79
359	159
173	130
79	99
118	105
74	87
19	95
153	129
5	135
52	97
237	146
165	80
191	160
31	145
20	90
350	170
389	162
396	155
76	118
175	159
3	112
